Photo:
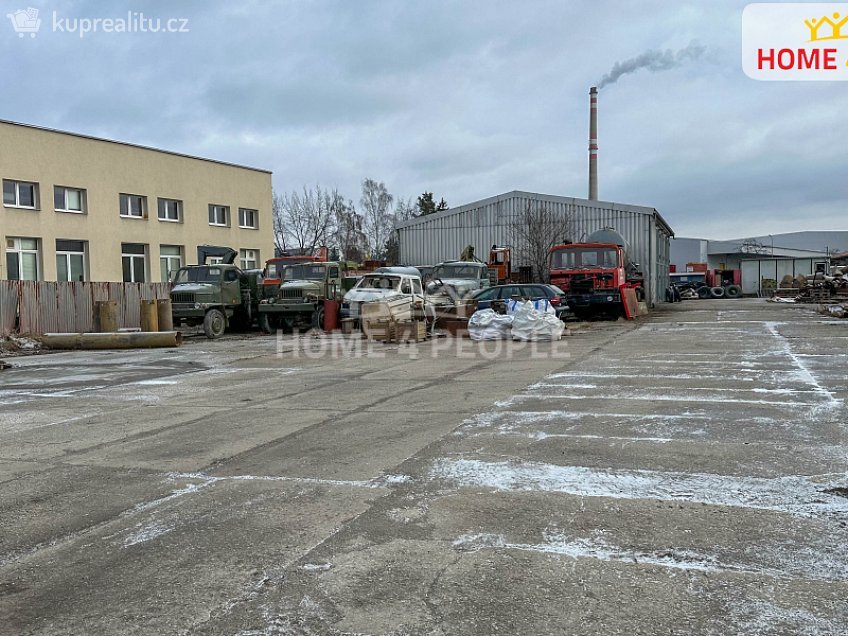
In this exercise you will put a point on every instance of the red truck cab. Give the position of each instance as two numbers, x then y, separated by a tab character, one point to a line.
274	269
593	275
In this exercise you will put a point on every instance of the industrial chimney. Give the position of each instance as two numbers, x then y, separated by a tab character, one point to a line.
593	143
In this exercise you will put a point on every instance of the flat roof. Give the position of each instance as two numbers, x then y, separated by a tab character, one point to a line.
125	143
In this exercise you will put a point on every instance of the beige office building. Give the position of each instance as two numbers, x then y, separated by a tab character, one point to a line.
81	208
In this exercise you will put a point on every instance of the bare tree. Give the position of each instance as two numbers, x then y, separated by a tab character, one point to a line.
379	220
752	246
534	232
405	209
278	222
349	235
304	220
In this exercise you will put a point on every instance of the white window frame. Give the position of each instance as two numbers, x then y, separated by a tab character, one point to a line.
65	208
163	208
213	209
244	213
17	203
215	260
13	246
132	256
248	255
67	255
166	262
129	214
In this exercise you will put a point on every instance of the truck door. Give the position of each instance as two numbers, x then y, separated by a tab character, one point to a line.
230	288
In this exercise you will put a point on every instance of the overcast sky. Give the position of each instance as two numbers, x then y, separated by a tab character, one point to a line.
467	99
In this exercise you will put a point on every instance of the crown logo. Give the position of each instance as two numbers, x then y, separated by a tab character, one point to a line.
835	31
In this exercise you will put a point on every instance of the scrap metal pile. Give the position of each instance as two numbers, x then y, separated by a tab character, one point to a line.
821	288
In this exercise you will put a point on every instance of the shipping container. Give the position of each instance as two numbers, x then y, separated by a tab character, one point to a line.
442	236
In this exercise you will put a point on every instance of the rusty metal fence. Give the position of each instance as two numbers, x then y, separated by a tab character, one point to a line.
38	307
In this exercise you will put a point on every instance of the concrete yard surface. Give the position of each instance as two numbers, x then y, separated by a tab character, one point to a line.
686	473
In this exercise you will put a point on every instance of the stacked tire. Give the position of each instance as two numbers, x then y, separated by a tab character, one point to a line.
731	291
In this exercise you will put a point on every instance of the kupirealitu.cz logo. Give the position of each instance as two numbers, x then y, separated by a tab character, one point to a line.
795	41
27	22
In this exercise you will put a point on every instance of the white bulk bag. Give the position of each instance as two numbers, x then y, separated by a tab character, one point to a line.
485	324
528	323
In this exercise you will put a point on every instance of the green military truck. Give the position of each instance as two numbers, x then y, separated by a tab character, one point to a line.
218	296
298	303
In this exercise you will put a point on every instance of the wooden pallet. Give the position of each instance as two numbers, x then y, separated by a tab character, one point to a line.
410	331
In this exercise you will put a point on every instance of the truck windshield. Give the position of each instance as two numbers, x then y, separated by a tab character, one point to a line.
304	272
458	271
379	282
199	274
584	257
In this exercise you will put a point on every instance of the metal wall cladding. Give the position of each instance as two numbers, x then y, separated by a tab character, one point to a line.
442	236
37	307
754	271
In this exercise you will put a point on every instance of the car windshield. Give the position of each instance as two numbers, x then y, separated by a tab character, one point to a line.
584	257
379	282
486	294
458	271
199	274
304	272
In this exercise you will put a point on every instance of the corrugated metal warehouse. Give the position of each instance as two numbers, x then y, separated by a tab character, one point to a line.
442	236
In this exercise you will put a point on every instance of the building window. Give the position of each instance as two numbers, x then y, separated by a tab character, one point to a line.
69	199
219	215
170	210
133	257
249	258
133	206
70	260
22	258
20	194
215	260
248	218
170	260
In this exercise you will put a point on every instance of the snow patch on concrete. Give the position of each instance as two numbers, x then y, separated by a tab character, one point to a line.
143	533
582	548
803	369
316	567
764	617
540	435
793	495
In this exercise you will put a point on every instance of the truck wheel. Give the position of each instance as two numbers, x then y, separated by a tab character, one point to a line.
318	318
733	291
214	324
703	292
717	292
266	324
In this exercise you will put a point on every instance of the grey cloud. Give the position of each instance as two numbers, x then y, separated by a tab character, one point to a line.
464	98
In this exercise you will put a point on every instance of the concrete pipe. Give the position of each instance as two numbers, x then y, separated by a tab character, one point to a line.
118	340
166	314
106	316
149	316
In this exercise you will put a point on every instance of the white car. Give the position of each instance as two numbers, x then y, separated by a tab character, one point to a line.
386	283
